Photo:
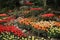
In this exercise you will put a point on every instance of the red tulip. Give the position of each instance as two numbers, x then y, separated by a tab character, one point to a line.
3	15
36	9
28	3
12	29
48	15
8	19
3	21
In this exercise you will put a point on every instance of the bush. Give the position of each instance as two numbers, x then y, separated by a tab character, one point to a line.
9	3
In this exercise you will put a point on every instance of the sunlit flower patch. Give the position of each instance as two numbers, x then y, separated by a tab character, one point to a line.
42	25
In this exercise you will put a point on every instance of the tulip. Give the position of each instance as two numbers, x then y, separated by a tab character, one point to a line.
3	21
36	9
28	3
13	29
48	15
3	14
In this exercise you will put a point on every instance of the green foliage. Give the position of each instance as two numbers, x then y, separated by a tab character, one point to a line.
8	4
2	17
34	13
37	2
8	36
54	32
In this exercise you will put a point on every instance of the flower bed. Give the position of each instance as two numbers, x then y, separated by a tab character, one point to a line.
41	27
32	20
12	31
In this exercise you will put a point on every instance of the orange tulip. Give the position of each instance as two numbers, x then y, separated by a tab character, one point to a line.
57	24
20	22
43	28
39	28
36	26
27	23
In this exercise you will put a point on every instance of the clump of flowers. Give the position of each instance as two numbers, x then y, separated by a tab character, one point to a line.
26	21
36	9
6	19
48	15
43	25
54	32
2	17
3	14
8	36
57	24
16	31
28	3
